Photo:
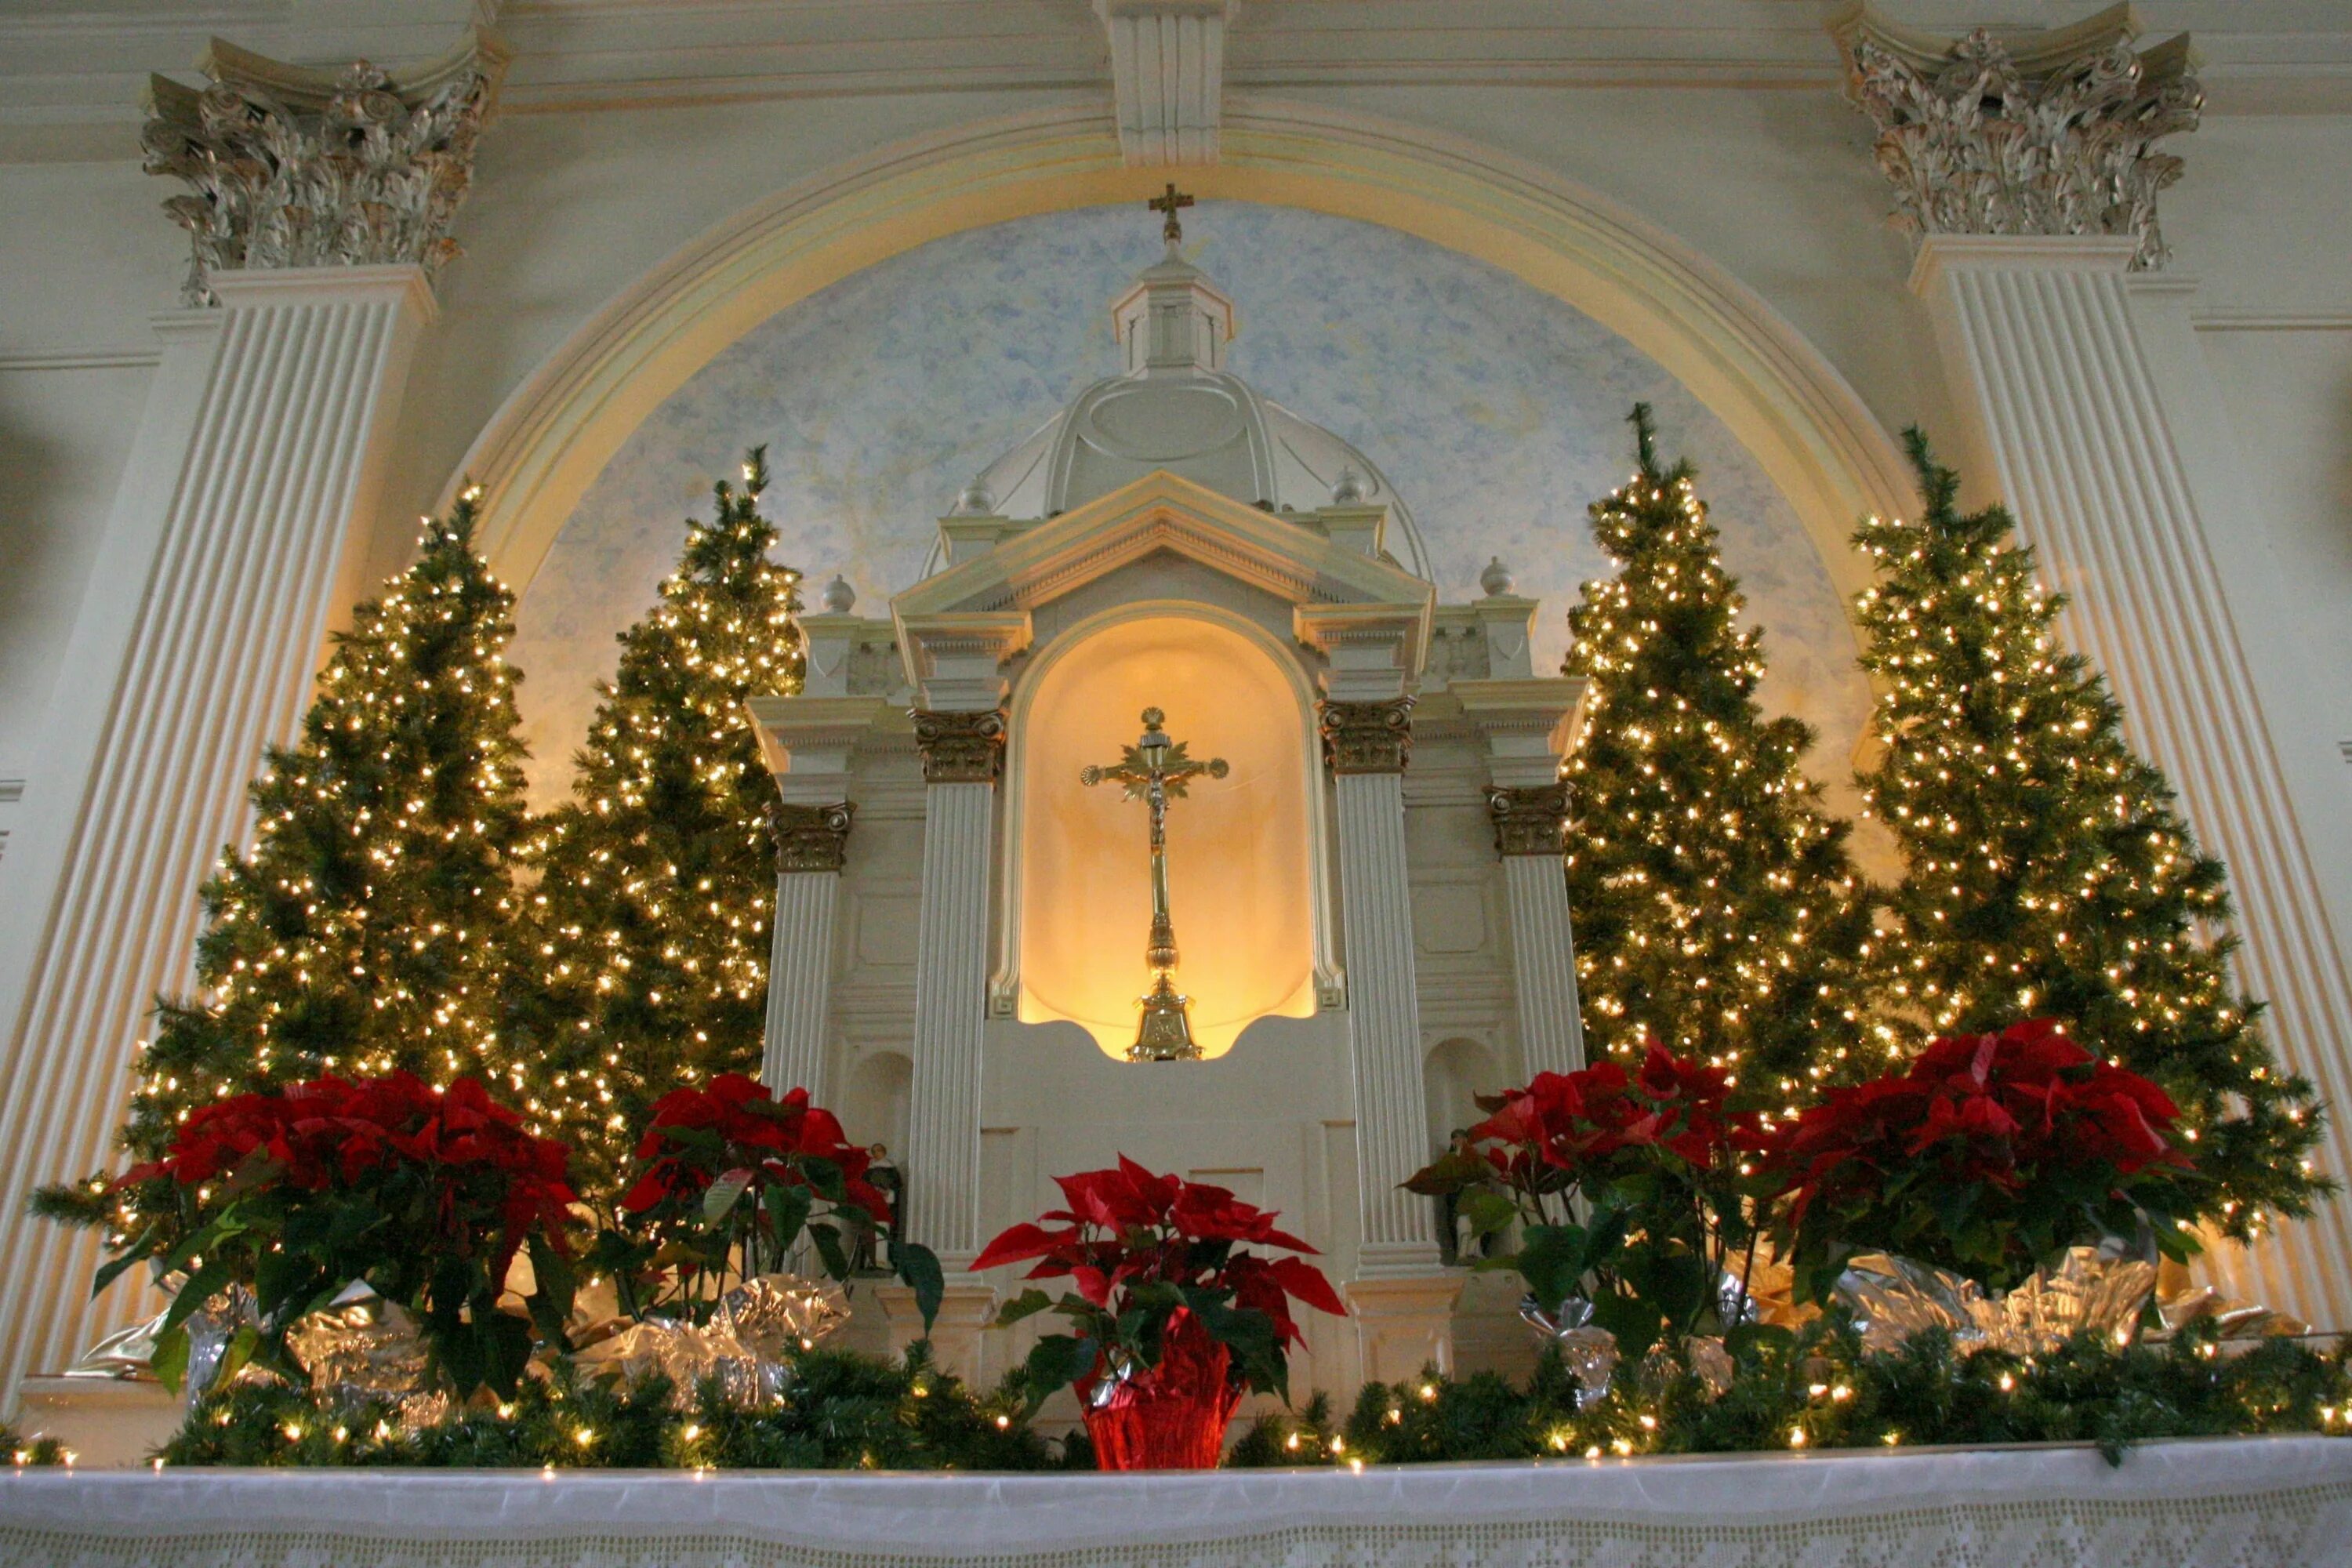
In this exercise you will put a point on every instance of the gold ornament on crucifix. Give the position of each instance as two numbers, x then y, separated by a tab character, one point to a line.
1172	231
1156	771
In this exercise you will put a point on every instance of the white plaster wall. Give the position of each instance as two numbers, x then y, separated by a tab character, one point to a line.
1776	185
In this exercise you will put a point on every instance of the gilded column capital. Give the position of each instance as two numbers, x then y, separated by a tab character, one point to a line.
1529	821
288	166
959	747
1366	737
2047	133
810	838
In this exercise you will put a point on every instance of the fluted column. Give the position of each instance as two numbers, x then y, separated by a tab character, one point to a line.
235	577
2043	341
963	758
1524	721
1528	826
318	207
811	841
1367	745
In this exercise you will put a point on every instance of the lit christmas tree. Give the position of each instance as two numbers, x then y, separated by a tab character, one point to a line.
366	930
649	929
1716	907
2049	871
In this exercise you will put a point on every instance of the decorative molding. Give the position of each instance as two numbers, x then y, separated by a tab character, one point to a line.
1167	64
2047	134
1780	397
1366	737
83	359
2225	320
958	747
810	838
1529	821
288	166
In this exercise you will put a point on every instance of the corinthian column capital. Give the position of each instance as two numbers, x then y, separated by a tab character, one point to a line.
958	747
2051	132
1366	737
287	166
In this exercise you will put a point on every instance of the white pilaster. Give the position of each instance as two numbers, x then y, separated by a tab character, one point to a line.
810	742
1543	964
800	984
2040	339
1372	652
227	554
1384	1019
1525	722
942	1162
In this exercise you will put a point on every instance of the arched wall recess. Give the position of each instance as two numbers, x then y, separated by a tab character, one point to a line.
1248	862
1772	388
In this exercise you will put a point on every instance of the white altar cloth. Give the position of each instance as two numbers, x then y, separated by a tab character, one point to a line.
2240	1502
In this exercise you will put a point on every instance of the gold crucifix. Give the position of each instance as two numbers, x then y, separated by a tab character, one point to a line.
1172	231
1156	771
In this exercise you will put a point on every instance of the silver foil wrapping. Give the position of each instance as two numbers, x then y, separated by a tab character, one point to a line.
360	1348
1702	1353
1589	1353
747	1346
2098	1288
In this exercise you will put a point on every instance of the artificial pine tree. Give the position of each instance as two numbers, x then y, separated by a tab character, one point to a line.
649	929
2049	872
1717	909
366	930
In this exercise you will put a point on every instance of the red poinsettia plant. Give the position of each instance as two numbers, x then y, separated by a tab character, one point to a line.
1162	1269
424	1194
1986	1156
1627	1188
729	1181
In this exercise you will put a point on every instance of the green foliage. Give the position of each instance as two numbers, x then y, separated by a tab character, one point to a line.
1717	909
364	933
1817	1389
35	1450
649	929
2050	873
841	1411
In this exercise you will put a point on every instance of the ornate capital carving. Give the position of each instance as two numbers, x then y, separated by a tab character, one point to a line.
1367	737
958	747
1529	821
2049	135
291	167
810	838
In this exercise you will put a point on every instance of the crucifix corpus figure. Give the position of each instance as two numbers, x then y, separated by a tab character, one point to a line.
1156	771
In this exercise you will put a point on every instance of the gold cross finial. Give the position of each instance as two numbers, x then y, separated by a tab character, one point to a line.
1172	231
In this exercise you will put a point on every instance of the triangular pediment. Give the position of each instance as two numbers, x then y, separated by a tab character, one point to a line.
1276	554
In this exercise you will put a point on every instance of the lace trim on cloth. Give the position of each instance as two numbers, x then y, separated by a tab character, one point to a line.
2239	1504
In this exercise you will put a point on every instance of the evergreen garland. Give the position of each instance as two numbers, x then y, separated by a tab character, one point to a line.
366	930
649	929
2049	871
1817	1389
1716	911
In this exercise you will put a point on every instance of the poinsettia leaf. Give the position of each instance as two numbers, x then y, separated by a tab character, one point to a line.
1636	1322
787	1210
720	1199
138	1250
1027	1304
1057	1361
554	1285
1552	1259
201	1286
170	1362
1487	1211
836	1259
1449	1173
918	1269
236	1354
826	1176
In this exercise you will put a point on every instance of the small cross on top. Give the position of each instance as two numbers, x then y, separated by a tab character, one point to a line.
1172	231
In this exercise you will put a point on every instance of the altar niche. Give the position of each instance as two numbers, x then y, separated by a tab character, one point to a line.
1238	855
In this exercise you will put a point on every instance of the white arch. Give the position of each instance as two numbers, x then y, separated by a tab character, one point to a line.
1770	387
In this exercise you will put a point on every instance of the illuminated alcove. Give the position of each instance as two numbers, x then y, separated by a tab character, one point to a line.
1239	887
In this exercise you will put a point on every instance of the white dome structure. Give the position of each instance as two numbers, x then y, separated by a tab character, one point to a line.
1175	406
